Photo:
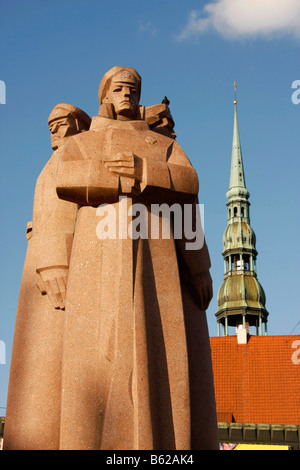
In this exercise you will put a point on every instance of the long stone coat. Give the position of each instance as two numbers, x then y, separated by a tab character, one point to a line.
136	357
33	406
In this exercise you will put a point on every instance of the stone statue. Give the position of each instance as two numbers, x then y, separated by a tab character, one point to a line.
111	348
136	366
33	407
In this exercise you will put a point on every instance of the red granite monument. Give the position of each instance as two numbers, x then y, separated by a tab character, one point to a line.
133	362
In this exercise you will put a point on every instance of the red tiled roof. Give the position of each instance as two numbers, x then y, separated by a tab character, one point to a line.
257	382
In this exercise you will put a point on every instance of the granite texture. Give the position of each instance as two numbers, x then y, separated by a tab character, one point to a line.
120	357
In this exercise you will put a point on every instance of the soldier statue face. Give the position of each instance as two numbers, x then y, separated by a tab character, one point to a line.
61	129
123	95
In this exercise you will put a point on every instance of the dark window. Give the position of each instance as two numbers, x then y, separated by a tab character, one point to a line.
246	262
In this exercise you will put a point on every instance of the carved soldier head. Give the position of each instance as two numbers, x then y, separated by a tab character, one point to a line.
119	93
160	119
64	121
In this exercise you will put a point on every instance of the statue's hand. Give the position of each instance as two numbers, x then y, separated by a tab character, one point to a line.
53	282
125	164
203	285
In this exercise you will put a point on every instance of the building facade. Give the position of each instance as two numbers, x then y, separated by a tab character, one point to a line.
257	377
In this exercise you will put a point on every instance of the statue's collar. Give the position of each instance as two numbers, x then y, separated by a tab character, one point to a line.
100	122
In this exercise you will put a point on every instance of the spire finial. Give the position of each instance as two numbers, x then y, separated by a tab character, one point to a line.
235	101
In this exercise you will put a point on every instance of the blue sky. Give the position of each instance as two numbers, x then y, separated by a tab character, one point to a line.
192	52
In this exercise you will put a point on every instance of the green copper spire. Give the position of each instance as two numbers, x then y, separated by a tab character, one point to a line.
241	298
237	185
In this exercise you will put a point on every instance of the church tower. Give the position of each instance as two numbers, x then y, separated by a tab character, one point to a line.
241	298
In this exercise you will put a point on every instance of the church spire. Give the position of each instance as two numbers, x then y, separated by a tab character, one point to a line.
237	176
241	298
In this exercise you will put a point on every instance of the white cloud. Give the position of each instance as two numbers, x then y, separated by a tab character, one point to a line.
147	27
245	18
